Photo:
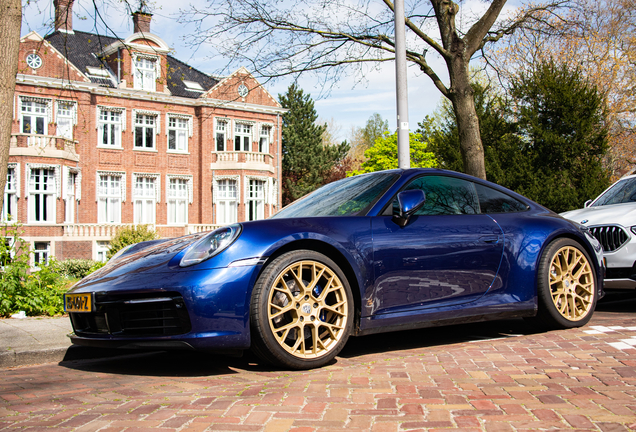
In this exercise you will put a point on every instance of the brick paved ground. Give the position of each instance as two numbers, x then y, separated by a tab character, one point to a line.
493	377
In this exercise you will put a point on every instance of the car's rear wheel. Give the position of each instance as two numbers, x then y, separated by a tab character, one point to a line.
566	284
301	311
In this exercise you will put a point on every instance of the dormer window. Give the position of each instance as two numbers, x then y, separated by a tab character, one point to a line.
145	73
97	72
193	86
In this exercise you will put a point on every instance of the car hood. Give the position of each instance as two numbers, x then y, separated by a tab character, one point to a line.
146	257
621	214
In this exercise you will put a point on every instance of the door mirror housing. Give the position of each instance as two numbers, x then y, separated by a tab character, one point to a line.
409	202
587	203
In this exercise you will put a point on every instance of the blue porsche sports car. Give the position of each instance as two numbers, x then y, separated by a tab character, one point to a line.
379	252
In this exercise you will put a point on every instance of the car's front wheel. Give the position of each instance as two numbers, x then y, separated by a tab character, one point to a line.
566	284
302	311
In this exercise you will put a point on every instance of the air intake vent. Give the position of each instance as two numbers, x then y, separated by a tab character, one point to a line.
162	315
611	237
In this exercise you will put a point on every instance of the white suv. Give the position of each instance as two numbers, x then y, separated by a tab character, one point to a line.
611	218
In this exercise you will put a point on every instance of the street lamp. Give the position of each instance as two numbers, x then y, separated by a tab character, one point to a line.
404	159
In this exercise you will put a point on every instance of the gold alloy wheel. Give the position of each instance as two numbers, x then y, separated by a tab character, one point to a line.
571	283
307	309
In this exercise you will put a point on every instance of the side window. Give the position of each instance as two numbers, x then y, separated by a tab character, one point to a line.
445	196
493	201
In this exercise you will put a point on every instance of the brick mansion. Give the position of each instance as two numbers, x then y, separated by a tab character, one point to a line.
110	132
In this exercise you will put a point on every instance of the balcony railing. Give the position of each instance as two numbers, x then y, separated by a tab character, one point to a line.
107	231
43	142
242	157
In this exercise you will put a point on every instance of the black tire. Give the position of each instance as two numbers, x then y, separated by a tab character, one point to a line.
566	286
301	325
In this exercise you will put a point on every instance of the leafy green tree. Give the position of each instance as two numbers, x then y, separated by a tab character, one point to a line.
383	154
374	129
364	138
546	139
306	162
129	235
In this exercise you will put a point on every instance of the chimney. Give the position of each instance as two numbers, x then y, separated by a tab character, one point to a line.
63	15
141	21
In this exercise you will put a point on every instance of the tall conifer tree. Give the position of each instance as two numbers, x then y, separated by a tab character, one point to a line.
306	162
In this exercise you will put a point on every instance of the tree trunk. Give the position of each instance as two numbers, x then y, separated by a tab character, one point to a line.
463	100
10	22
458	53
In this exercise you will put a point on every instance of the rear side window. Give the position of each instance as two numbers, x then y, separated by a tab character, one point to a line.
493	201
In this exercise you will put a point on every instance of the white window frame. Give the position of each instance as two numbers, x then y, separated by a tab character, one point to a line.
9	243
142	123
221	126
11	194
101	249
145	72
33	108
265	137
65	118
70	196
243	136
145	198
226	202
255	198
38	198
38	252
111	187
178	199
179	126
114	123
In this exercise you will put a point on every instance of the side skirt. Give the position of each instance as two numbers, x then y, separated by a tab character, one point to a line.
397	321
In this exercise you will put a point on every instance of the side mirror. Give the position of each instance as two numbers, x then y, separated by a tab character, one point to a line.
587	203
409	202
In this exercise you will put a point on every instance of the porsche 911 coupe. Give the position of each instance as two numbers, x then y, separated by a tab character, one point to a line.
378	252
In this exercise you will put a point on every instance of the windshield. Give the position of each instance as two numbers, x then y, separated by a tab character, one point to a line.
352	196
623	191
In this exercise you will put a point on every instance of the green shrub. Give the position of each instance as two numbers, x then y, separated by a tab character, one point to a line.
96	266
22	289
78	268
130	235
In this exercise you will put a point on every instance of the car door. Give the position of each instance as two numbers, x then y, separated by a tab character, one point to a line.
447	254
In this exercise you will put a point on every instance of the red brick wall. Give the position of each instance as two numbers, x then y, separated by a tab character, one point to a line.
73	250
92	159
53	64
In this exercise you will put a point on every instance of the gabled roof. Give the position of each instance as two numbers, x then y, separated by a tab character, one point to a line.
178	72
82	50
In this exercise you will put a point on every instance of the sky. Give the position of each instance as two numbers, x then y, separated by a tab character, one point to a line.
348	104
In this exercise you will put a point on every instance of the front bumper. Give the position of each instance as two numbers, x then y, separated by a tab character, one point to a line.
619	252
621	267
620	277
202	310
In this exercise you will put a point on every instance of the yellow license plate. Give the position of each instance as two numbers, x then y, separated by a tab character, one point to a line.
78	302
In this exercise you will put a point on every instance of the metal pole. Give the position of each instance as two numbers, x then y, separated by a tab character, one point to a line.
404	159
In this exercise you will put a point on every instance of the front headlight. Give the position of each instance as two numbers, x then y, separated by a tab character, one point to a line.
210	245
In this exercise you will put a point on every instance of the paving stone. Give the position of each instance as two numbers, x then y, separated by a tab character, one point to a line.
558	380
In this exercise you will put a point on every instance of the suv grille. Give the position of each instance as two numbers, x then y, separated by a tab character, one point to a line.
156	314
610	237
